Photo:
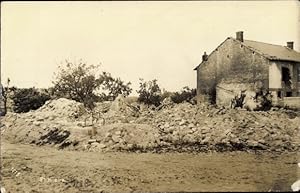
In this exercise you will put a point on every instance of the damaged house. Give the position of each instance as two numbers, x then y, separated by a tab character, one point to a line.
238	65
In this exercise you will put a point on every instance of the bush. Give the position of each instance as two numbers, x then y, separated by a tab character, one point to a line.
186	95
27	99
264	99
149	92
238	101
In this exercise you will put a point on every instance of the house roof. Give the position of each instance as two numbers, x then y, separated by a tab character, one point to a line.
270	51
273	52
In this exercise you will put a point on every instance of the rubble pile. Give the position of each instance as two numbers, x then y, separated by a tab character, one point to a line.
180	127
124	136
188	127
46	125
60	108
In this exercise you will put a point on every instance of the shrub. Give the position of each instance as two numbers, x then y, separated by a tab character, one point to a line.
27	99
238	101
149	92
264	99
185	95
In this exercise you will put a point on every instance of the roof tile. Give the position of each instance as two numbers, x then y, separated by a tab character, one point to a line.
274	52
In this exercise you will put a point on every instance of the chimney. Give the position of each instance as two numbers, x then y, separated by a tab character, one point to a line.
239	36
290	45
204	57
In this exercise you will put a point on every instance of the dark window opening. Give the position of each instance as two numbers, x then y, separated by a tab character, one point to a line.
286	77
288	94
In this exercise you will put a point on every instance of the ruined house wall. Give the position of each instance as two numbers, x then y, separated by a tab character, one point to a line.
232	65
275	82
275	71
227	91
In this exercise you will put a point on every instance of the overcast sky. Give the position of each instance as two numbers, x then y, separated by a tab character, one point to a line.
132	40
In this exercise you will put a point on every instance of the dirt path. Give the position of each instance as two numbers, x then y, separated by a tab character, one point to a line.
26	168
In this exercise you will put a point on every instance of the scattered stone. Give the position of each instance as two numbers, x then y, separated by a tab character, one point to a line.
36	123
118	132
101	145
182	122
92	141
116	138
2	190
296	186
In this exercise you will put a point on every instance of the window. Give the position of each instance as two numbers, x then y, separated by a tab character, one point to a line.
286	77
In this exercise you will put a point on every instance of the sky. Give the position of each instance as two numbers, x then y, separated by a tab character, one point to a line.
133	39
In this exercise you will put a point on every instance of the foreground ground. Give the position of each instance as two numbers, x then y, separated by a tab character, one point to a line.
28	168
62	147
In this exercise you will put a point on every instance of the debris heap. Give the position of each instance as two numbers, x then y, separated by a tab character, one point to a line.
170	127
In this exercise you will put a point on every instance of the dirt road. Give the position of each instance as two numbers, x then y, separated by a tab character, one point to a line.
26	168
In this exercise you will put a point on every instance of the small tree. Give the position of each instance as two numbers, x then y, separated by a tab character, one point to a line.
186	94
4	95
78	81
114	87
149	92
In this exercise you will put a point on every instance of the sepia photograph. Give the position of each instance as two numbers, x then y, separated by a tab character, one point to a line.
150	96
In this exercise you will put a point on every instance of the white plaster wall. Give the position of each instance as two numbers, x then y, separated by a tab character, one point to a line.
274	75
227	91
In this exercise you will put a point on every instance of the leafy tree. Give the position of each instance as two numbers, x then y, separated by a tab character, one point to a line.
27	99
77	81
114	87
82	83
149	92
186	94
